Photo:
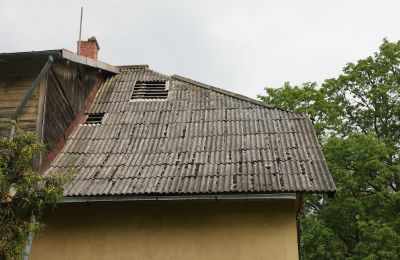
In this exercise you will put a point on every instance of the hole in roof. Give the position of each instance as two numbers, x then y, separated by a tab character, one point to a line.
150	90
94	118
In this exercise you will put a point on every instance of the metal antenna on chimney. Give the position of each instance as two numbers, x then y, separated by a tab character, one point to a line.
80	33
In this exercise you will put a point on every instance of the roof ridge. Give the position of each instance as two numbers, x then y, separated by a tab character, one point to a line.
229	93
159	73
138	66
145	67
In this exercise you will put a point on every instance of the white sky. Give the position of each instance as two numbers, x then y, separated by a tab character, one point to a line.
242	46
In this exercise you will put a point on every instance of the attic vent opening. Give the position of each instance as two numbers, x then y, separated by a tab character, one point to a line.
150	90
94	118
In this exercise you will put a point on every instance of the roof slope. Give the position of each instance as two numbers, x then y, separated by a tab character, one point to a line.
200	140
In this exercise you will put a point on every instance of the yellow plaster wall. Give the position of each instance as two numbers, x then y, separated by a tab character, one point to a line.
170	230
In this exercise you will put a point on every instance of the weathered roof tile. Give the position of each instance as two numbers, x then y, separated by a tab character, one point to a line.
200	139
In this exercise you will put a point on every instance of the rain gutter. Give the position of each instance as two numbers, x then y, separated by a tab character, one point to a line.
225	197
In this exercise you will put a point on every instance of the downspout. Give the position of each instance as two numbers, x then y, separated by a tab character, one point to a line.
14	119
298	224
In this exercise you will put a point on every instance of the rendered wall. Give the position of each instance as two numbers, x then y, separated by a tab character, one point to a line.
170	230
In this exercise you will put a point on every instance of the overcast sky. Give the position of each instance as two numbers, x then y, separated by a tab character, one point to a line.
242	46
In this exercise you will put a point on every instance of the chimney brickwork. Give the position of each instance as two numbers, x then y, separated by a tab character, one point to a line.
89	48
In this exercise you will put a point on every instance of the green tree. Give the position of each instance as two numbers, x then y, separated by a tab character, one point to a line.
357	118
24	192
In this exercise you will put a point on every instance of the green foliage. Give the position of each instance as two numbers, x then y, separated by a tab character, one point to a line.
324	246
24	192
357	118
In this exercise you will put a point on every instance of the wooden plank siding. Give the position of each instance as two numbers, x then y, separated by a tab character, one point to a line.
55	104
68	85
16	78
12	90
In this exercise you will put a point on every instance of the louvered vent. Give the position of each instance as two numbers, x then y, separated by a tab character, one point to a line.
149	90
94	118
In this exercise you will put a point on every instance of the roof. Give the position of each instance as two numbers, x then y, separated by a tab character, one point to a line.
201	140
40	57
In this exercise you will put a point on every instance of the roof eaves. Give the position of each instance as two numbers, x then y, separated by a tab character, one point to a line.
56	52
62	54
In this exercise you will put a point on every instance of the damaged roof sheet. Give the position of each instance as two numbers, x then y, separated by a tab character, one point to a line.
200	140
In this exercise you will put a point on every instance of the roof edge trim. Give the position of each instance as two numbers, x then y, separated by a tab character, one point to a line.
222	91
56	53
243	197
66	54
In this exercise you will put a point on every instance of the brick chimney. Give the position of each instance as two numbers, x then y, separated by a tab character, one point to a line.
89	48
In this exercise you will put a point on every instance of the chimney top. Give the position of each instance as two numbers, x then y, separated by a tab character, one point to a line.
89	48
93	39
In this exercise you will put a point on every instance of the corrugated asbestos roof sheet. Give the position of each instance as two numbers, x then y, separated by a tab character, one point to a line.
199	140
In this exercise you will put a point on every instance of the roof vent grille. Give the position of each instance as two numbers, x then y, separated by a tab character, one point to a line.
150	90
94	118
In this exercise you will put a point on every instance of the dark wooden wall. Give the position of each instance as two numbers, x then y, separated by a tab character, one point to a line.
68	85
